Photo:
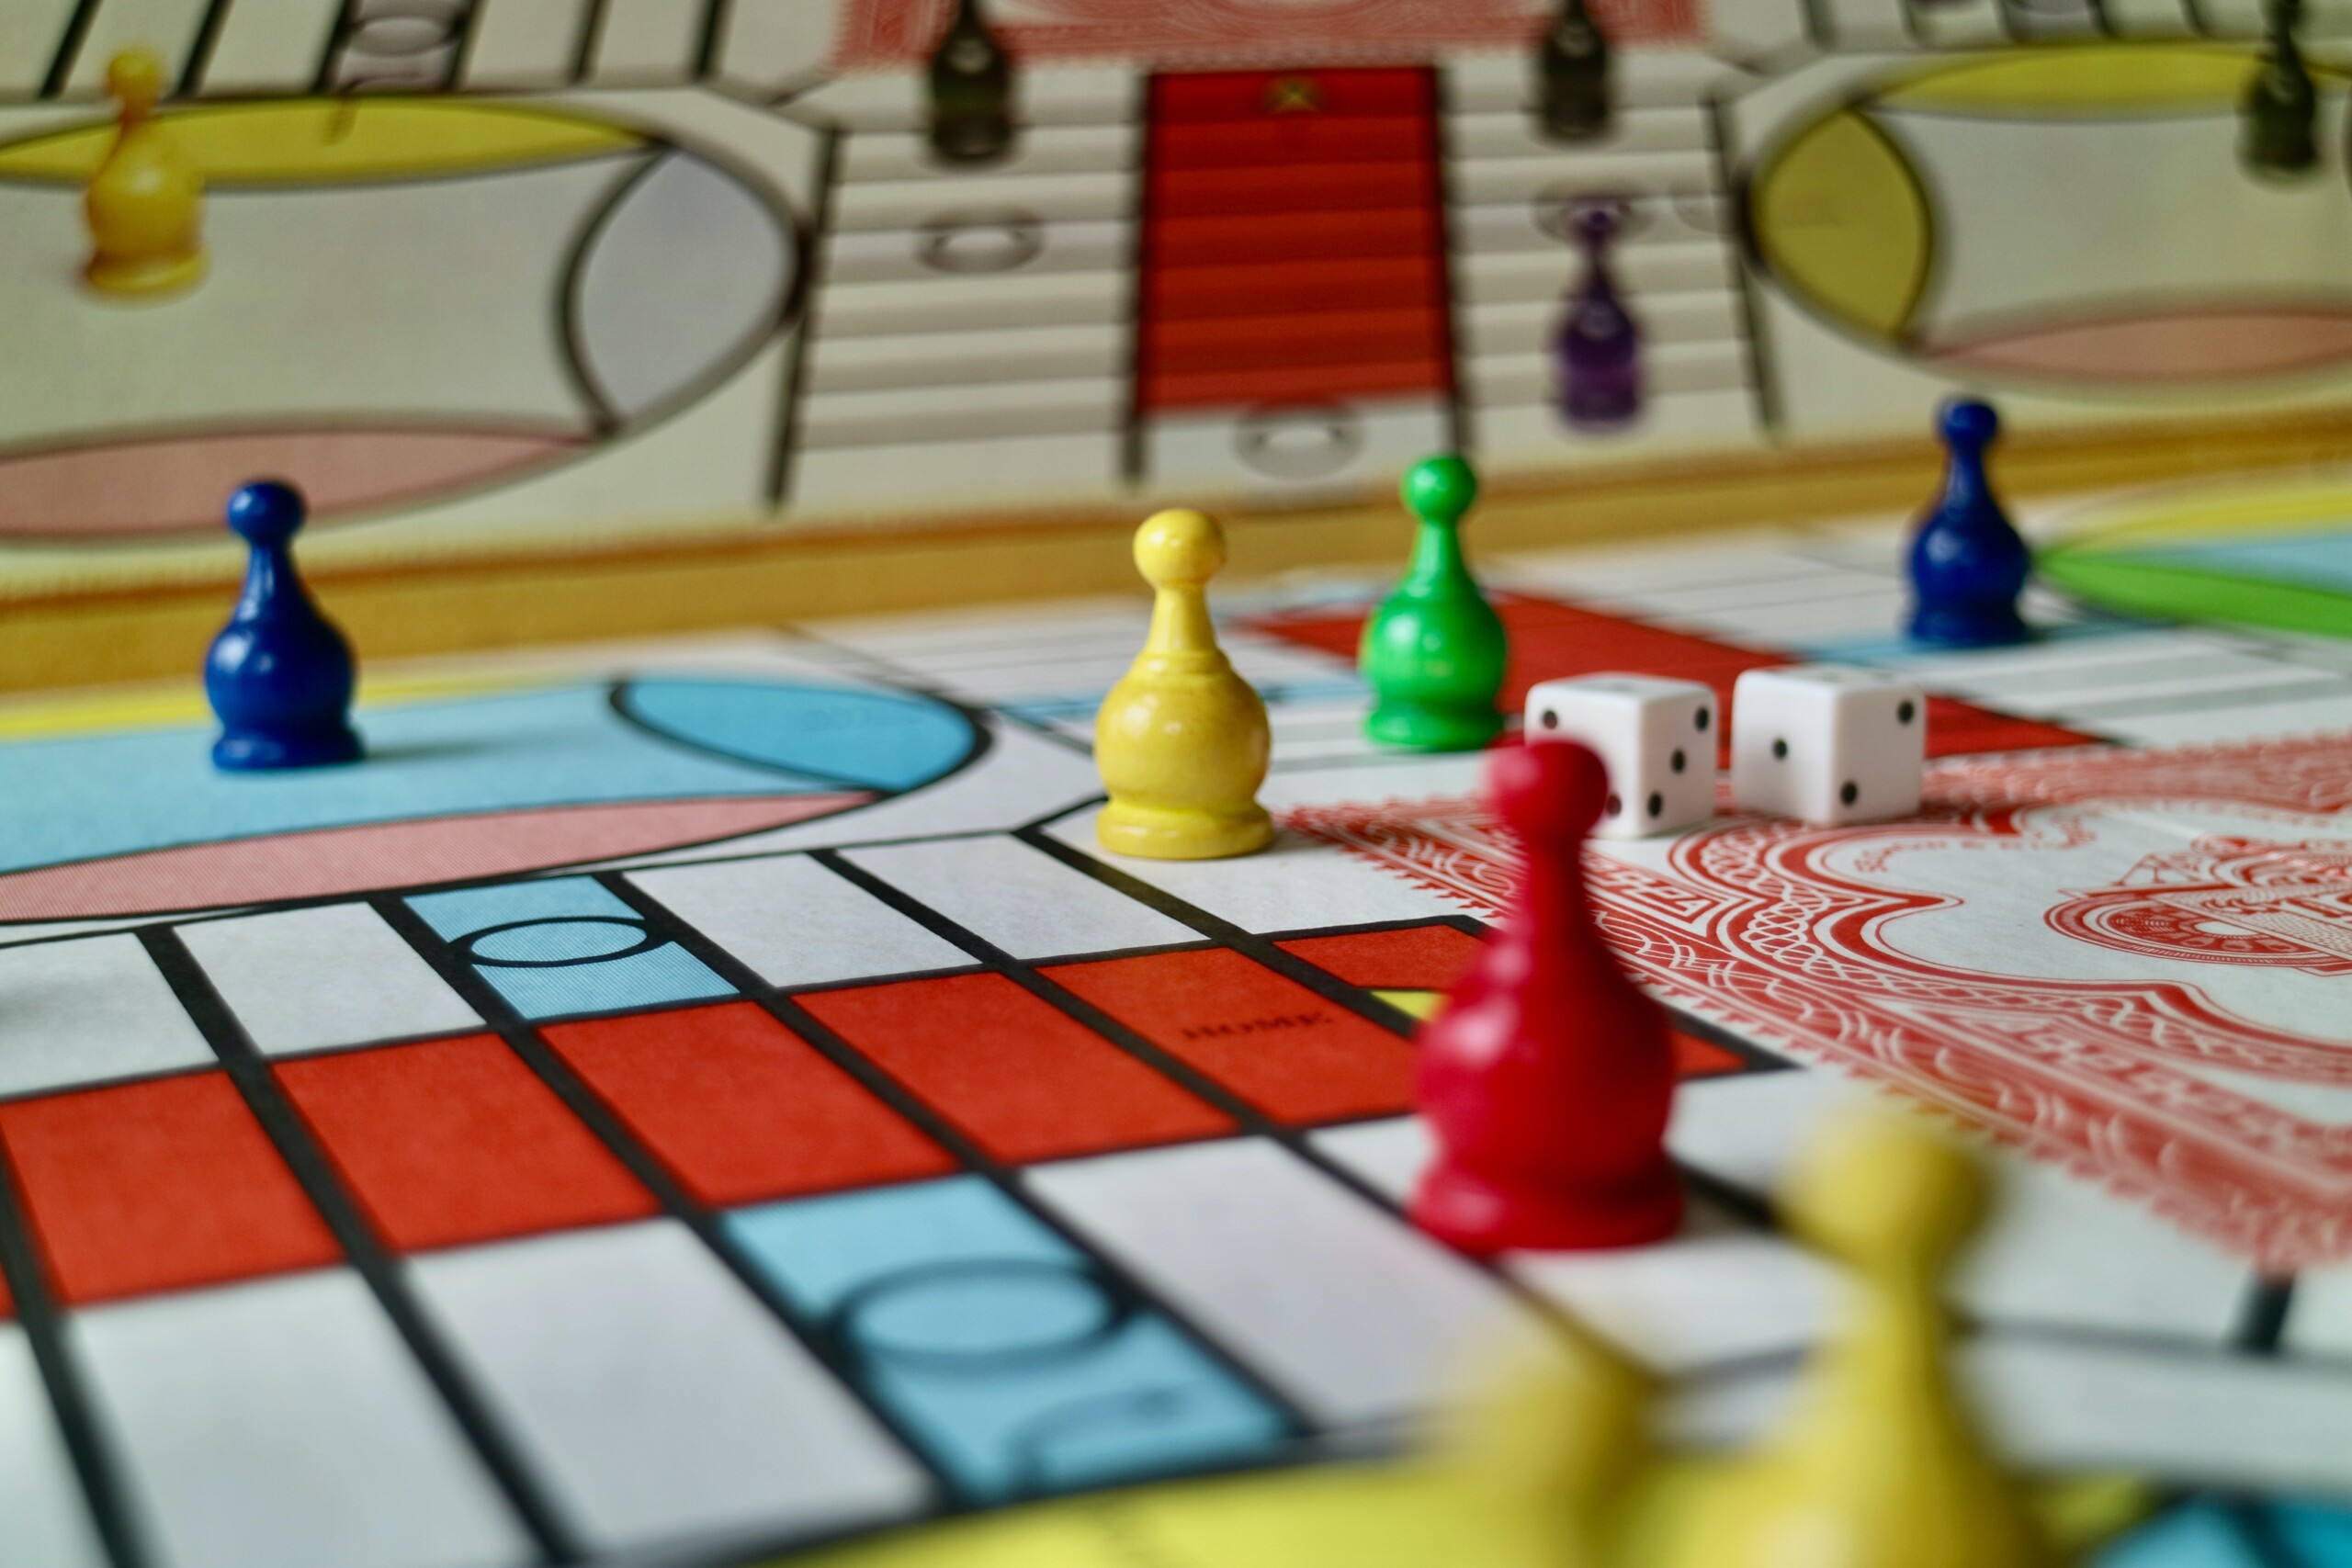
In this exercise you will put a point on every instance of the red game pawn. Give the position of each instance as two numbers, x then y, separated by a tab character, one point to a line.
1546	1075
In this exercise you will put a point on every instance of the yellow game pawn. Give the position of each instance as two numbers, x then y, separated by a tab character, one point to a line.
1181	740
145	205
1557	1461
1880	1466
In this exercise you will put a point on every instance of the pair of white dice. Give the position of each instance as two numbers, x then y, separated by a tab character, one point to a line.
1817	742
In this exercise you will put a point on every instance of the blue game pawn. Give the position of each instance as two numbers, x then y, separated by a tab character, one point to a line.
1968	565
279	675
1597	341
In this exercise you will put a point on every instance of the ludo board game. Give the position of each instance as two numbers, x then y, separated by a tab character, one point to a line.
712	1099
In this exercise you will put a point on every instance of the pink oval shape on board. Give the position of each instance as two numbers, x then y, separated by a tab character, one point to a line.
162	485
391	854
2179	346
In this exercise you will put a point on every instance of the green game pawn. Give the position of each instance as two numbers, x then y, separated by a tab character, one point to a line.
1433	653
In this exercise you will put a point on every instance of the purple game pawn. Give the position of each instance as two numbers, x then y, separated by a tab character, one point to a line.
1599	342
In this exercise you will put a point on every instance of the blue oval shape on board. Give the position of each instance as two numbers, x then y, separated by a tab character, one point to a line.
835	734
562	939
1001	1311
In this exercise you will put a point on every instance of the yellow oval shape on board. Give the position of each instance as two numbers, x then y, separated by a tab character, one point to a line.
2205	514
332	140
1840	217
2087	82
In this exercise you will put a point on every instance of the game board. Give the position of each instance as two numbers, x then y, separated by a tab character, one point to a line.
554	275
694	1100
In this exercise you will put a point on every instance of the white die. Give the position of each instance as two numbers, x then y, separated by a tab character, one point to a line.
1657	738
1827	743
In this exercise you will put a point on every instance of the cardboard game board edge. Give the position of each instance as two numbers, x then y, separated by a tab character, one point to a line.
482	602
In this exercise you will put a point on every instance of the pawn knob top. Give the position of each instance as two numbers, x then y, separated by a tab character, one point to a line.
1550	794
1967	422
1595	221
1179	549
135	79
267	514
1885	1193
1439	488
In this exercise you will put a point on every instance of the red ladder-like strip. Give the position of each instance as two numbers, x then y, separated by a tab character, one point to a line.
1294	240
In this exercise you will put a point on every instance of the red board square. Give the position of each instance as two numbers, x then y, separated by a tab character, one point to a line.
1263	1035
740	1107
1433	958
455	1141
1024	1079
1550	641
1416	958
158	1186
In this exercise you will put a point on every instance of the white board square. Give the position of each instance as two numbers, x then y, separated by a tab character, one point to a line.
2319	1312
43	1521
1025	902
658	1396
1356	1317
281	1424
797	924
76	1013
1296	883
1715	1292
336	975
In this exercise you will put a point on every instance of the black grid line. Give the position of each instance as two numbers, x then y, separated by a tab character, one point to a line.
1131	431
330	58
1323	983
1748	1207
1267	951
2257	1529
795	389
1461	422
524	1039
585	1102
41	1319
1766	390
200	53
1133	438
249	1072
69	48
715	18
469	29
590	39
1250	1119
1003	1176
2262	1316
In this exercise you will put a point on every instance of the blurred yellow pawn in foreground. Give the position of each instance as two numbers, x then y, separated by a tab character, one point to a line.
1877	1464
145	205
1181	740
1880	1466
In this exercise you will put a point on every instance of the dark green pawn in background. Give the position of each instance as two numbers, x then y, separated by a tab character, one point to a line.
971	90
1575	93
1433	653
2281	104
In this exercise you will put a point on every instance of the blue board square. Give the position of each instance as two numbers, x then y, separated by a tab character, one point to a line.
998	1345
566	946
